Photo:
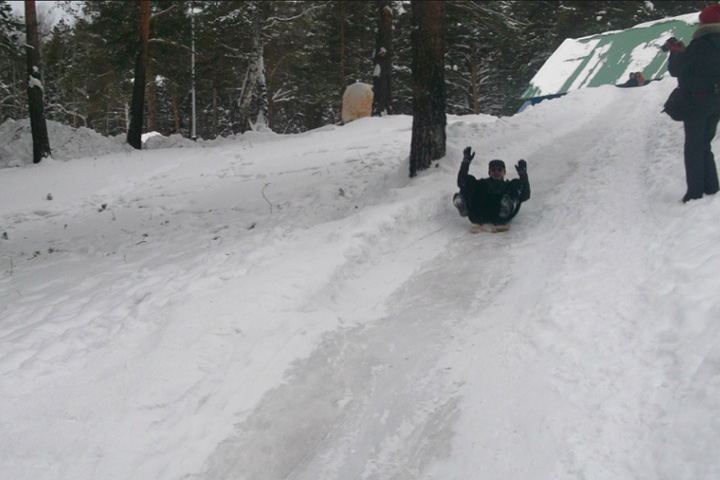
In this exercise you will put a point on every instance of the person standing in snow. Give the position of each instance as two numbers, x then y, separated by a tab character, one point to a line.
491	200
697	69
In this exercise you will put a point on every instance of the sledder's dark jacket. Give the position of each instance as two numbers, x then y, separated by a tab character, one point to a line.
482	197
698	67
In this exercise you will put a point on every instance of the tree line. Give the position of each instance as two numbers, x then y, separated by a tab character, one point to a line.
284	65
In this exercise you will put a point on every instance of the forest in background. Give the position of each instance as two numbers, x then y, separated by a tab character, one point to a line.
311	50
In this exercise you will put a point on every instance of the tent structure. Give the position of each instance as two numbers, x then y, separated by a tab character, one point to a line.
608	58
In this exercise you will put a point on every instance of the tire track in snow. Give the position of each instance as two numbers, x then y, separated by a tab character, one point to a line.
377	400
596	218
367	397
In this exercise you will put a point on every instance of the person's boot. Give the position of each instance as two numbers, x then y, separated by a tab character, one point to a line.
689	197
459	203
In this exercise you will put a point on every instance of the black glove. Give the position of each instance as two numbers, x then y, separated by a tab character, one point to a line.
521	167
468	155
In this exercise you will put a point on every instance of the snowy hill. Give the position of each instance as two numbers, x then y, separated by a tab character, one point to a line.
295	307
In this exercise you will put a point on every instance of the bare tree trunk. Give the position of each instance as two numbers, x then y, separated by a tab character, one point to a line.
215	113
193	99
134	135
151	104
270	105
38	126
382	91
343	75
428	62
75	104
475	89
176	114
261	121
254	69
245	101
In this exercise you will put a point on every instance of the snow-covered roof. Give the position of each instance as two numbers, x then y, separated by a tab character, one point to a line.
608	58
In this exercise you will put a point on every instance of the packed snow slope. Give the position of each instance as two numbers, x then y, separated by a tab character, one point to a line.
295	307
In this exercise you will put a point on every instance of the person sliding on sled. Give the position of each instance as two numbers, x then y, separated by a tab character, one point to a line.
492	200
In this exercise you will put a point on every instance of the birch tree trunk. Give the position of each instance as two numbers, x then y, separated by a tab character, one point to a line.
38	125
134	135
215	112
343	75
261	122
254	70
475	90
245	102
428	63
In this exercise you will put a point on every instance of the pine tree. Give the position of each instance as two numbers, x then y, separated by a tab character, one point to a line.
493	49
38	125
482	38
65	90
134	134
170	72
106	45
428	66
12	75
382	74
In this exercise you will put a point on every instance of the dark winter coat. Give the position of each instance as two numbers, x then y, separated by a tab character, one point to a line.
698	67
698	72
483	196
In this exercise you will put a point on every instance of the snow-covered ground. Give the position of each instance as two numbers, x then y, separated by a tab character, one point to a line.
295	307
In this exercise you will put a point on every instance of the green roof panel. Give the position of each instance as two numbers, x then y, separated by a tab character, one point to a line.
608	58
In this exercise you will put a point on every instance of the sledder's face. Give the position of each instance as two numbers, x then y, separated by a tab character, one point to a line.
498	173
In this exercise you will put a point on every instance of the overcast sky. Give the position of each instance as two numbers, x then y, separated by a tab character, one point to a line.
45	9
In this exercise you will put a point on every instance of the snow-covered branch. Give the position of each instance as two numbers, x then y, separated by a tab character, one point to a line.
62	109
272	21
481	10
172	44
155	15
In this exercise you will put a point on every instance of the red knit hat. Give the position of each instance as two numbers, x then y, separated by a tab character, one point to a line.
710	14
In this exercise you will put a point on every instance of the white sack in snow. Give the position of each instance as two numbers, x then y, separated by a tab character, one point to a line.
357	102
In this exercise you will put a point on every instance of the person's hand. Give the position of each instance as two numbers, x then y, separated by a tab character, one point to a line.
675	45
521	167
468	155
